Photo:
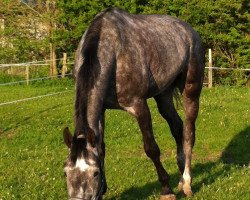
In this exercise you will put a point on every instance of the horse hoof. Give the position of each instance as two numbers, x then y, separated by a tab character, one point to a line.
180	186
168	197
186	193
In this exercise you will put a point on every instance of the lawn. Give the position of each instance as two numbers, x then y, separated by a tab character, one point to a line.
32	150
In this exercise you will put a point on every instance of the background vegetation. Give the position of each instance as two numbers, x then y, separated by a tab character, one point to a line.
23	32
223	24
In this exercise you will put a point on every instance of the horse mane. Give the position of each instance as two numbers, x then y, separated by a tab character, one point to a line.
87	72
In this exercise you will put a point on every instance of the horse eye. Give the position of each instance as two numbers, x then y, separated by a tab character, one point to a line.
96	174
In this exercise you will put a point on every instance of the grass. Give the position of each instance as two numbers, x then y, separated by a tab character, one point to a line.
32	150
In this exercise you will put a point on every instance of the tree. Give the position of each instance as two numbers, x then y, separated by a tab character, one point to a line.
223	25
22	36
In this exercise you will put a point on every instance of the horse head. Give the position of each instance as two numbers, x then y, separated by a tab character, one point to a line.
83	167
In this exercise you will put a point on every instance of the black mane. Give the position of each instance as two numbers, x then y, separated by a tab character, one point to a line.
87	72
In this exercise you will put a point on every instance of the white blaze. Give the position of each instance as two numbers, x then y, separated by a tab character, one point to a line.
81	164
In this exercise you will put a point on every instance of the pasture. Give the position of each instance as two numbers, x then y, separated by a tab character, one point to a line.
32	150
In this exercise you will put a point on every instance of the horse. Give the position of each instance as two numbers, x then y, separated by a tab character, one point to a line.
122	60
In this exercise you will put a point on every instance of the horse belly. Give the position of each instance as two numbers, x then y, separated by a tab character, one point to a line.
162	79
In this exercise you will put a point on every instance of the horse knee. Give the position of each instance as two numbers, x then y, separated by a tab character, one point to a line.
177	131
152	151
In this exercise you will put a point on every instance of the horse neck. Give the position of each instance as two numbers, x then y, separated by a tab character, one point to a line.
80	111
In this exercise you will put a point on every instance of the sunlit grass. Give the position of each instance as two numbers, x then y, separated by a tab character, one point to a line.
32	150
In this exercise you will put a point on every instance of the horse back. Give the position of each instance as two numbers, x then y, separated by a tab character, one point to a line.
143	54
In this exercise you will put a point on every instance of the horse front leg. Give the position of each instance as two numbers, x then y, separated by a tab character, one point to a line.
191	96
142	113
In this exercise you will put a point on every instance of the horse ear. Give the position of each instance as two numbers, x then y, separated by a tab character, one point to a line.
91	138
67	137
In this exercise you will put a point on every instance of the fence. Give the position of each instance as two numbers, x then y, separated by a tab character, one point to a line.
35	97
211	68
24	69
65	70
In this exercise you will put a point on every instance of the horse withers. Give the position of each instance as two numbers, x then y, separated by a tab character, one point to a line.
121	61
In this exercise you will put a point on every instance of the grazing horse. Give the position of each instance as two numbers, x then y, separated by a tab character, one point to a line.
121	61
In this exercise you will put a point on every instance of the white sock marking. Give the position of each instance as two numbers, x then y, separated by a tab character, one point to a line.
186	177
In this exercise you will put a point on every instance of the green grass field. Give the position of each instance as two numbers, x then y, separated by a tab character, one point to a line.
32	150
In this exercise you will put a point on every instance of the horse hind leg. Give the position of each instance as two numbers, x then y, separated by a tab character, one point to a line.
167	110
191	94
143	116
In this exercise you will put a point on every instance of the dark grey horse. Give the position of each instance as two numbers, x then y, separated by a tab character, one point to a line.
121	61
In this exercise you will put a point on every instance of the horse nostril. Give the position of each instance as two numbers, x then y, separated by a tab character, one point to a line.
96	174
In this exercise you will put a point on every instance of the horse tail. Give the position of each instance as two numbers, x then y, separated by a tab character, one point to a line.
177	97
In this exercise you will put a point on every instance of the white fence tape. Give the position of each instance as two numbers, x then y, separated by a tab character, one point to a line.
28	64
224	68
45	62
35	79
71	63
31	98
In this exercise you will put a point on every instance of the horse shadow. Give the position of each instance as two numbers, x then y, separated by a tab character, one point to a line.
138	193
235	153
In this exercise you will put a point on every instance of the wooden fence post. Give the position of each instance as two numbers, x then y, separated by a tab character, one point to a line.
53	70
54	62
210	69
27	74
64	67
51	58
10	70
